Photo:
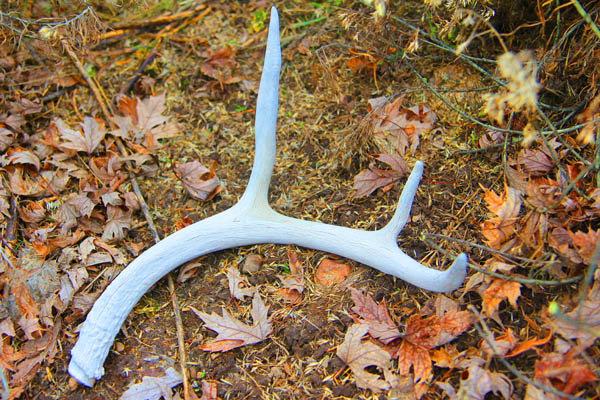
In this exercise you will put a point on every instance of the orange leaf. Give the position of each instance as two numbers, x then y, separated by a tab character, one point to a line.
529	344
500	228
563	372
499	290
410	354
330	272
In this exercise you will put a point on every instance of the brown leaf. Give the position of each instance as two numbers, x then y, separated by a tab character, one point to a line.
395	128
535	162
87	140
330	272
20	156
295	279
582	320
252	263
502	344
375	316
238	285
496	292
369	180
563	372
209	390
359	355
585	243
199	181
117	221
500	228
154	387
438	329
590	115
233	333
478	382
417	357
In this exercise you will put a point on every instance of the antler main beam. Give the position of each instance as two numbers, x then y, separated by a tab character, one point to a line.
252	221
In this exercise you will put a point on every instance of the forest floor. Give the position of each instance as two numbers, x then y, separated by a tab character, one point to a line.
524	206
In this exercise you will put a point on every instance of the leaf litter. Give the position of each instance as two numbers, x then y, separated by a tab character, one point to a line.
67	190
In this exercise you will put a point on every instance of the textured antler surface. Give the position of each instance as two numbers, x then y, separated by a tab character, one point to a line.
252	221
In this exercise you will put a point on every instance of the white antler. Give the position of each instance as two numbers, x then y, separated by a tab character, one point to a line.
252	221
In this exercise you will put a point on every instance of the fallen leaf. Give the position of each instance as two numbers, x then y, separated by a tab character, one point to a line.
496	292
188	271
154	388
117	221
563	372
500	228
585	243
396	128
375	316
330	273
502	344
590	115
415	356
233	333
87	140
293	283
238	285
522	347
361	355
199	181
20	156
372	178
144	122
535	162
583	321
477	382
220	65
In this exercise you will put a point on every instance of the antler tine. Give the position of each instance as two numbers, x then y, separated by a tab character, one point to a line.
252	221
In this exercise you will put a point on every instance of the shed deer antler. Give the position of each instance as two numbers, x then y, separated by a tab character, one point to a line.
252	221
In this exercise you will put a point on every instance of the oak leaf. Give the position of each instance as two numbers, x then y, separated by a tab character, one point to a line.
238	285
233	333
359	355
199	181
86	140
375	316
372	178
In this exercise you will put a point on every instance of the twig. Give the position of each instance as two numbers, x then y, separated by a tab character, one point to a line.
137	73
524	281
91	84
586	17
508	365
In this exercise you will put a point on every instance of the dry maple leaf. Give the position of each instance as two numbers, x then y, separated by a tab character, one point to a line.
219	65
199	181
370	179
535	162
375	316
20	156
154	387
238	285
476	382
563	372
585	243
496	292
424	332
233	333
144	122
359	355
87	140
583	322
117	221
500	228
